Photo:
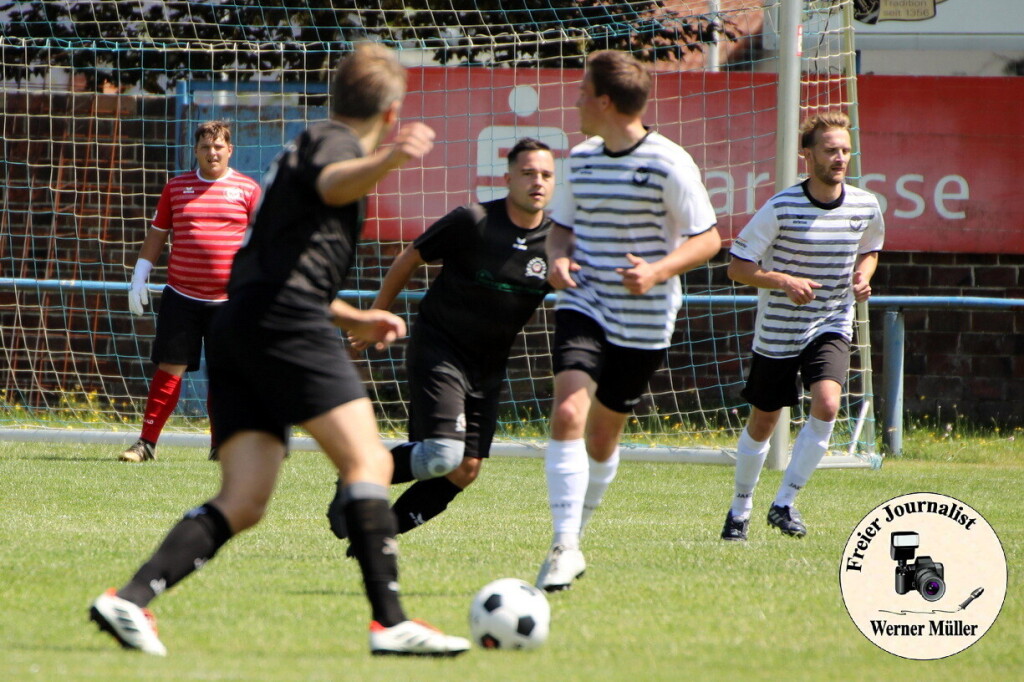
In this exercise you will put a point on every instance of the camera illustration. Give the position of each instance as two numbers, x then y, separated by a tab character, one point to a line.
923	575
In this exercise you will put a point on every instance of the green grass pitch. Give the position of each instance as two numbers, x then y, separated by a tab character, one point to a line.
663	597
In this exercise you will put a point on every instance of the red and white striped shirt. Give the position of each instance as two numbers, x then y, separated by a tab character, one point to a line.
208	219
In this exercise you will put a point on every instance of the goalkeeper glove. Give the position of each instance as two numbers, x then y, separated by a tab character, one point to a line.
138	297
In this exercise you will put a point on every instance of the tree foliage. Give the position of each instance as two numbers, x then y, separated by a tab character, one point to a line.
154	44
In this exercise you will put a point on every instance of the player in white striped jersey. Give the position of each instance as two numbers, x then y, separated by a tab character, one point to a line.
636	217
811	251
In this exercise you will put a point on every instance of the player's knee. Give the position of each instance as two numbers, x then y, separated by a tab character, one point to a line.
568	416
828	413
826	408
437	457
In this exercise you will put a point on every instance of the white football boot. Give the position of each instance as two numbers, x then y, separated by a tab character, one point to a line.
132	626
560	568
414	638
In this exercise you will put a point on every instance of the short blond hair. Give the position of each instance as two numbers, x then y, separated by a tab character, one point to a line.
826	120
367	81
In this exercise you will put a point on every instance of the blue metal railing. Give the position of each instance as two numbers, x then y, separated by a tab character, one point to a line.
893	335
893	345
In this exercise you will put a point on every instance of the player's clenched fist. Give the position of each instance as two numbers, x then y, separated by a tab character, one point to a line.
800	290
412	141
861	287
639	278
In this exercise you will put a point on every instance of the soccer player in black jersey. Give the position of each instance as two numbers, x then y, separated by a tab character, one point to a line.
493	277
276	360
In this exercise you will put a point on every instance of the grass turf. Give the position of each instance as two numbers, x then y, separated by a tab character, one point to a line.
663	597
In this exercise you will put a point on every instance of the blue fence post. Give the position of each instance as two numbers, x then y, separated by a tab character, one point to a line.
892	342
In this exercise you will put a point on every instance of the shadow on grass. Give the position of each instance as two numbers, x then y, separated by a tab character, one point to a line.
70	458
447	594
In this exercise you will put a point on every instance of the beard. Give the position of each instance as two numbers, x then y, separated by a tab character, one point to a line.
826	174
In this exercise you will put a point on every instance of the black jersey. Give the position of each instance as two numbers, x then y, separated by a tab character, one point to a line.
493	276
299	250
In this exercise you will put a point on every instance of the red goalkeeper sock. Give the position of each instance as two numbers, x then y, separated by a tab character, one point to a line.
163	398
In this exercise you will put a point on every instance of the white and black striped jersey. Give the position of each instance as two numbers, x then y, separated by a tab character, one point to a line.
647	201
796	235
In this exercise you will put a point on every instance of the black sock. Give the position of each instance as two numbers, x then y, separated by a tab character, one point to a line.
403	462
423	501
371	528
336	512
190	544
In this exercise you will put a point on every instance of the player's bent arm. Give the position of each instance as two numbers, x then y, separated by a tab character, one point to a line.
373	326
800	290
863	270
559	247
642	275
866	265
401	271
694	252
344	182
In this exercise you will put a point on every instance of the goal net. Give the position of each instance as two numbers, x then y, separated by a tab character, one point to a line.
99	102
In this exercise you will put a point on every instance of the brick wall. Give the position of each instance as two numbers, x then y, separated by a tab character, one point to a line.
81	174
956	362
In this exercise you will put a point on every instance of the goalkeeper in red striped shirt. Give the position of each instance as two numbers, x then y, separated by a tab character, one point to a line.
208	211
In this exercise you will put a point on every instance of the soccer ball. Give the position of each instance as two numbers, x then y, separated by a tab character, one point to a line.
509	614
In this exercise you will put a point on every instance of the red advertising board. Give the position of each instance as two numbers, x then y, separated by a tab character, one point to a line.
939	152
943	152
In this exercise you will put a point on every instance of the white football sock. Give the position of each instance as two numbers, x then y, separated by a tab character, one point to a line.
601	476
808	449
750	456
567	472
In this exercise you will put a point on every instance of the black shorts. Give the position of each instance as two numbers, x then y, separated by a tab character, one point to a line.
182	324
268	380
448	396
774	383
621	373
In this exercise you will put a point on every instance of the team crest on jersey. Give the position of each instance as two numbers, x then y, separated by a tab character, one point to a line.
233	194
537	267
641	176
858	224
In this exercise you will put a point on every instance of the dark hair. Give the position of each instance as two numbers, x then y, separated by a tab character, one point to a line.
367	81
213	129
826	120
622	77
526	144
